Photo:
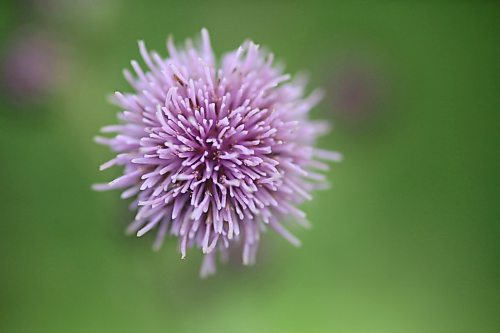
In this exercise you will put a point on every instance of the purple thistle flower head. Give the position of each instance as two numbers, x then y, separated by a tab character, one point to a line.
215	153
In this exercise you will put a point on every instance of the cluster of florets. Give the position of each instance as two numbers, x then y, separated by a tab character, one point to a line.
215	153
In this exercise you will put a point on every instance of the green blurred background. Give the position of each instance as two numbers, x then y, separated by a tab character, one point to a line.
407	239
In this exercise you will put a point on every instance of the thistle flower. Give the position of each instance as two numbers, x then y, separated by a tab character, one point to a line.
213	154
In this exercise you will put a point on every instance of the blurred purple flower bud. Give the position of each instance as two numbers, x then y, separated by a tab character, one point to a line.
356	89
33	66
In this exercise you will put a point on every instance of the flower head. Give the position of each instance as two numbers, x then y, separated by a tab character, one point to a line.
214	153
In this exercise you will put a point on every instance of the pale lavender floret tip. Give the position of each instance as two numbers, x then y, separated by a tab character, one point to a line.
214	153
